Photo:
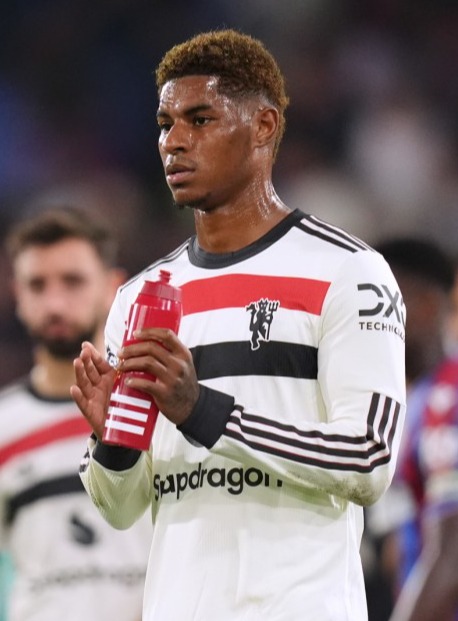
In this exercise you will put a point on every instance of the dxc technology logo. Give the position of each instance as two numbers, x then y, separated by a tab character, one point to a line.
384	307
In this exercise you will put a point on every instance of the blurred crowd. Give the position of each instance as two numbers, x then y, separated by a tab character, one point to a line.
371	142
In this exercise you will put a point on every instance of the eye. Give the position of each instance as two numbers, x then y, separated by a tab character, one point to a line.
36	285
200	121
74	281
164	126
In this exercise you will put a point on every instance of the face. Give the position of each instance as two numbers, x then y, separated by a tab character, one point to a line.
426	305
205	142
63	293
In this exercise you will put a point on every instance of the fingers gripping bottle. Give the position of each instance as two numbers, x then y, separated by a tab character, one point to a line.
132	414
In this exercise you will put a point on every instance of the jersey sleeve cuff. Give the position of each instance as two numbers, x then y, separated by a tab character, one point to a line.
115	458
209	417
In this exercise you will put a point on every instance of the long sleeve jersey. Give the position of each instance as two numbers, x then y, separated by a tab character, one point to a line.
298	344
68	562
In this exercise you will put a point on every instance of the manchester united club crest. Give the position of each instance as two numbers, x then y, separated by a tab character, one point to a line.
262	314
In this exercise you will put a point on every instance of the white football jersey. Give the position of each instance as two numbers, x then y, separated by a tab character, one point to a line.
298	343
69	563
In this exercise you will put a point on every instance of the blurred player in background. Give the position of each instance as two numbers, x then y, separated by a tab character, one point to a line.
68	563
420	510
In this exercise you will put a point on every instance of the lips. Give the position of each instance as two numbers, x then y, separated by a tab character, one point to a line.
53	331
177	173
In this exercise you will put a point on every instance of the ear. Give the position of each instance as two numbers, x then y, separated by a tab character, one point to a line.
13	287
265	126
116	277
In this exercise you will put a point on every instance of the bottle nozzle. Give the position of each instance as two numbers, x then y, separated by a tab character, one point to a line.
164	276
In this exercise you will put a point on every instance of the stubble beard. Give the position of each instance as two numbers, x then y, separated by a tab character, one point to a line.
65	348
197	205
188	205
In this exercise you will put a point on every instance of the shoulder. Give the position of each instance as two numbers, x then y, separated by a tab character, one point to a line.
329	237
174	261
334	253
16	401
20	388
348	263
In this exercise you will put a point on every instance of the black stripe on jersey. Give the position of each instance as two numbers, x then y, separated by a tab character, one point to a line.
281	440
331	234
69	484
325	237
335	230
374	408
330	437
316	461
272	359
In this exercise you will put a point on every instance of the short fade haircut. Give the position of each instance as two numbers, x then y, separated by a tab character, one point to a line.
242	64
420	257
59	223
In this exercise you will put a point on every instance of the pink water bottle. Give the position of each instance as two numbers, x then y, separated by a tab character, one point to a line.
132	414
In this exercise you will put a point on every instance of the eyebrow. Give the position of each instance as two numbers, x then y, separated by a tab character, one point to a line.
188	111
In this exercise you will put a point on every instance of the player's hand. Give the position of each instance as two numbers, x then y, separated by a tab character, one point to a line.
161	354
94	378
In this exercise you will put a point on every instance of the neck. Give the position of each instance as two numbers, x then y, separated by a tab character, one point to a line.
52	377
230	227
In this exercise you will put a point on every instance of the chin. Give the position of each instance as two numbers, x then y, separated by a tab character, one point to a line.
190	204
183	199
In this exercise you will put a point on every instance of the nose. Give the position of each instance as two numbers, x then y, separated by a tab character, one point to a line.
55	300
177	138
